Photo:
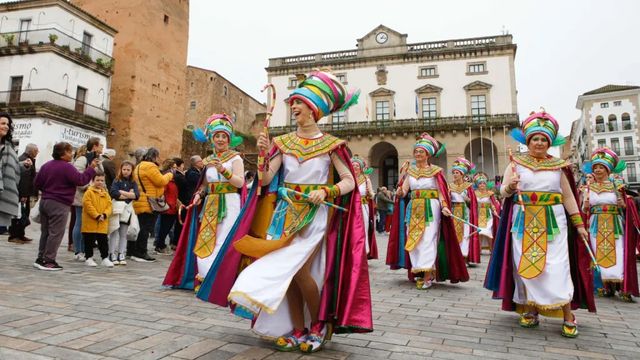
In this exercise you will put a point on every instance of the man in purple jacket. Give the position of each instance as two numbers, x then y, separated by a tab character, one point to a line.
57	180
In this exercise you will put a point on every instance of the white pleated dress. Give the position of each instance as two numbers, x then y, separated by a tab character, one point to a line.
262	286
423	256
553	288
464	244
223	228
487	230
362	188
614	273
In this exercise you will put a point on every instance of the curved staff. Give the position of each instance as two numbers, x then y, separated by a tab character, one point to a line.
263	164
538	264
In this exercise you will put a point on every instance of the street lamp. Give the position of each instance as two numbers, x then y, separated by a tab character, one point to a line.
2	20
30	73
101	90
66	89
40	13
106	45
73	25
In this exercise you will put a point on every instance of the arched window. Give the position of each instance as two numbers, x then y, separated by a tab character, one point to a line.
599	124
626	121
613	123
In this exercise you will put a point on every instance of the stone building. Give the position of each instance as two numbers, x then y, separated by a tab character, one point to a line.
209	92
609	117
461	91
148	89
55	73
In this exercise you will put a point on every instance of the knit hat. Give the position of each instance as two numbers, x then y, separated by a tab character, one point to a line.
363	164
214	124
324	94
606	157
463	165
539	123
429	144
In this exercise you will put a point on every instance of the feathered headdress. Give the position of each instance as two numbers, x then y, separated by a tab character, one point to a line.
363	164
539	123
430	145
324	94
607	158
214	124
463	165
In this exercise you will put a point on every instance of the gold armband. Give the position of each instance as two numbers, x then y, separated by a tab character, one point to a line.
576	220
331	191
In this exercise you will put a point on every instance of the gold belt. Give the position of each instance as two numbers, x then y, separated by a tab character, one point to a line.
302	188
604	209
541	198
484	205
424	194
364	200
219	187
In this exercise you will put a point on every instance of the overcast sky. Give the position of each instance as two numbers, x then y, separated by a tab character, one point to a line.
565	47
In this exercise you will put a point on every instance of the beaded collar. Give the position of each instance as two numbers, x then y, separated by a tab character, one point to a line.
453	187
549	163
361	179
223	157
484	194
606	186
428	172
305	149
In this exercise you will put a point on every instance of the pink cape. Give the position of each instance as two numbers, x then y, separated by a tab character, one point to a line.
474	241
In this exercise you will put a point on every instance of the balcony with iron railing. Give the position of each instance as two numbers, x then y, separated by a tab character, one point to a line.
32	41
400	126
45	102
417	48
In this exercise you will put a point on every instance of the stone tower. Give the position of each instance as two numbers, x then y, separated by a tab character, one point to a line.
147	93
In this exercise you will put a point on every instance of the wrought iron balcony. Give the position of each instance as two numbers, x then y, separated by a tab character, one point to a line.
21	42
47	102
410	125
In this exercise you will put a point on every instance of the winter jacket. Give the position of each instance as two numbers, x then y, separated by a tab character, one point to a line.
9	178
124	185
95	202
148	177
171	196
57	179
27	176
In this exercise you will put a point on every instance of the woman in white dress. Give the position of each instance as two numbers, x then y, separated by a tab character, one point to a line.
539	263
361	171
288	291
488	209
219	193
611	223
464	206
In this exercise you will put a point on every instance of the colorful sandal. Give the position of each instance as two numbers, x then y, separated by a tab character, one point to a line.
316	338
604	292
570	328
529	320
626	297
419	283
292	340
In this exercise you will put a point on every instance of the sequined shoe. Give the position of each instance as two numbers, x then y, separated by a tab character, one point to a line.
291	341
603	292
315	339
419	283
570	328
529	320
626	297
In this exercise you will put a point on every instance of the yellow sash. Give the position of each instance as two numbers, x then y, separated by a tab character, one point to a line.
458	211
420	215
605	238
206	241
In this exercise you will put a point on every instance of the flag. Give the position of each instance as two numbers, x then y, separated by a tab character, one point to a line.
417	111
366	109
394	109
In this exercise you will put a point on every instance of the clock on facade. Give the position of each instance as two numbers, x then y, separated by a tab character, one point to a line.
382	37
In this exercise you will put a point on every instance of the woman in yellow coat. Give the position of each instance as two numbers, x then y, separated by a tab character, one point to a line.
151	183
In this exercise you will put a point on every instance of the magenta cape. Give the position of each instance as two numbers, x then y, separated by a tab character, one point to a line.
373	245
495	220
474	240
183	267
630	281
499	278
450	264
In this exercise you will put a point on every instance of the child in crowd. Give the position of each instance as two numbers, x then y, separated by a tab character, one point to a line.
123	191
96	208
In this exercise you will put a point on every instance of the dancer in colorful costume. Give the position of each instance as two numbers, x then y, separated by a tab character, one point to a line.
488	208
611	218
214	209
464	205
308	255
365	188
423	241
540	234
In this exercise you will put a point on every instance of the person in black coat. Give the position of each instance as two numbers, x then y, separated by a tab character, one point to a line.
26	190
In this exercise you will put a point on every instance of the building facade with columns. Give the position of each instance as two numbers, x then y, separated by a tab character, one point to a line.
55	73
609	117
463	92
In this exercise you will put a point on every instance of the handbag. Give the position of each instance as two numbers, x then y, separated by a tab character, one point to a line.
117	206
35	213
158	204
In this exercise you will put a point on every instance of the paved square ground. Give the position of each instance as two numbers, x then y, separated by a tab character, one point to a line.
124	313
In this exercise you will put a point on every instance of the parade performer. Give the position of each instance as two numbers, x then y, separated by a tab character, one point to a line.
464	205
540	234
215	206
422	241
611	219
488	208
365	188
310	276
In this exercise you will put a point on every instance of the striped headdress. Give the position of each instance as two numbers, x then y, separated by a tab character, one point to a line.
324	94
429	144
539	123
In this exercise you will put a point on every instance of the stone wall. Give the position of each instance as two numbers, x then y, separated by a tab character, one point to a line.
147	92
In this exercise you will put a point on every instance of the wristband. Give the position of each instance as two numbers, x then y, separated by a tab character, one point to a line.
576	220
331	191
227	174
